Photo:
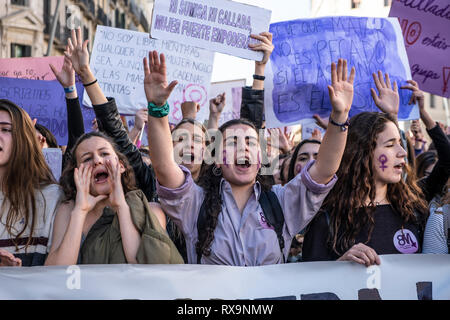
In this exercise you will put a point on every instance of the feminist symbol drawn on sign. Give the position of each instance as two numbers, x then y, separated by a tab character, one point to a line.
412	32
196	93
383	160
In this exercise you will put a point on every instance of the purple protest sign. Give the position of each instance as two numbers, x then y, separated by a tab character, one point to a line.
44	100
426	32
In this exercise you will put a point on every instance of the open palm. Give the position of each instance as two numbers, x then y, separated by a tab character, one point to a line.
388	99
341	89
66	77
156	88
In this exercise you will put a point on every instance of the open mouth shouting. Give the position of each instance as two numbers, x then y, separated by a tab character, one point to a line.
100	176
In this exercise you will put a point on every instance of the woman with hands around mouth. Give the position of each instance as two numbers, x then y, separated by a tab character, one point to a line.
234	230
104	216
372	209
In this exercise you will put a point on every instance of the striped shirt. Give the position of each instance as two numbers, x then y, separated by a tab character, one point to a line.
47	200
434	240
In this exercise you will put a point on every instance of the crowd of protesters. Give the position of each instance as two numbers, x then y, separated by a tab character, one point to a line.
237	195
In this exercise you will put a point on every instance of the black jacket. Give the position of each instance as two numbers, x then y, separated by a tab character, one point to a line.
252	107
108	118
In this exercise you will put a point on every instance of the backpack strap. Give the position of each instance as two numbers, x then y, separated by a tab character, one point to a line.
273	214
201	225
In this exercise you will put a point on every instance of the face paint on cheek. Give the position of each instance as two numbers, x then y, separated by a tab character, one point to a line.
383	159
225	159
298	167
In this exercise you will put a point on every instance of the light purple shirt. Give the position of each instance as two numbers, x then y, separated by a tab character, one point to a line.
244	239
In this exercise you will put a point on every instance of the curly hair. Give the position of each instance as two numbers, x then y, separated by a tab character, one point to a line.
67	181
356	182
213	201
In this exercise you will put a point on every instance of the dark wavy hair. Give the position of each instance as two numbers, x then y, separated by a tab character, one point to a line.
423	161
47	134
346	202
67	181
213	199
291	173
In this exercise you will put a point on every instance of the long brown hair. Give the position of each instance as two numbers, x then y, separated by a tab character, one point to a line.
67	181
26	172
356	182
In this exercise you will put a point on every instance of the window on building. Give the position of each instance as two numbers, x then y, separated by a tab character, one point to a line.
47	15
20	50
85	33
20	2
356	4
432	101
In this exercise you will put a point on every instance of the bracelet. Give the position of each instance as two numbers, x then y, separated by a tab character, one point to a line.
69	89
157	111
344	126
258	77
90	84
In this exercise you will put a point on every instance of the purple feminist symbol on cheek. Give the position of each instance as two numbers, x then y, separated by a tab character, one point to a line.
225	159
383	160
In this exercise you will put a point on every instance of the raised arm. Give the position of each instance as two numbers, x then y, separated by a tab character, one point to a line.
333	143
387	100
157	91
75	123
216	106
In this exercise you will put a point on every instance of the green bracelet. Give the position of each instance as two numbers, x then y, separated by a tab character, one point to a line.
158	112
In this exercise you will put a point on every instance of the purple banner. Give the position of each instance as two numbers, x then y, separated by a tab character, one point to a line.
426	31
44	100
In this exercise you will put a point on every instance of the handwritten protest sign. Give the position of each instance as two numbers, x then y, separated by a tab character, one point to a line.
30	68
44	100
299	72
308	128
117	64
53	157
220	25
233	98
426	32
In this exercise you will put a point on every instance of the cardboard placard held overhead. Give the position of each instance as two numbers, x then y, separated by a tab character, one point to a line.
116	62
221	25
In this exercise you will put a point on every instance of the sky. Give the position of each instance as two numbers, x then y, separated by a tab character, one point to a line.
230	68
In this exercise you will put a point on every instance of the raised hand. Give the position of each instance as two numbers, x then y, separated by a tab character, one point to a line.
78	54
156	88
285	139
116	197
388	99
341	89
189	109
84	201
7	259
265	46
140	119
217	104
316	135
66	77
417	94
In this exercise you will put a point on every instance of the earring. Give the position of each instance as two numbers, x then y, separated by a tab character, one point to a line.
217	171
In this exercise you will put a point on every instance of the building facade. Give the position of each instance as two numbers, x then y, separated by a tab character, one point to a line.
376	8
25	25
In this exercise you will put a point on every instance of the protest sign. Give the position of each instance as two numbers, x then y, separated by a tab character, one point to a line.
116	62
233	98
220	25
44	100
30	68
308	128
299	71
427	277
426	32
53	157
